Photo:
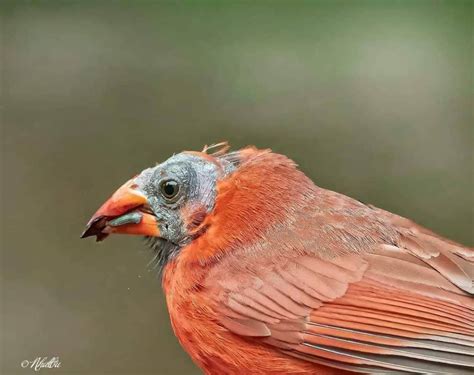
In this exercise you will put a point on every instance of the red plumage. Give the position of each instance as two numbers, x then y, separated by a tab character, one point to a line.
289	278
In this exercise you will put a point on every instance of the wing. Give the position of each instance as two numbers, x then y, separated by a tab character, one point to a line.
403	306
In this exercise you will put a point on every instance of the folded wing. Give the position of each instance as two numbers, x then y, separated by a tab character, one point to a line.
405	307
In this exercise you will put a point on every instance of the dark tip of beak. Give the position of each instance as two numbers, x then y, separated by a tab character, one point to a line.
94	228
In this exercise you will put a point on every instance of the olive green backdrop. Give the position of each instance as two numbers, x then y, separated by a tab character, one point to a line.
372	99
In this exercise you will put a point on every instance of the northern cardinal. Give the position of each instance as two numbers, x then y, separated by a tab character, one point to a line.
266	273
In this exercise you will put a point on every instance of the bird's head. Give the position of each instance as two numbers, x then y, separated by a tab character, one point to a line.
169	201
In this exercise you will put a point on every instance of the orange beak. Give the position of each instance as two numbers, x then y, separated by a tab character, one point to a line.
126	211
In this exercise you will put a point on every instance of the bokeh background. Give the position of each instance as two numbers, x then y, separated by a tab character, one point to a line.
372	99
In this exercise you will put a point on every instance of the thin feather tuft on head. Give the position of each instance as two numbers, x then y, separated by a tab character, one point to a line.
217	149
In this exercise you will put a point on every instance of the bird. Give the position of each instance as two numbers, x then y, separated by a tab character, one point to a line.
265	272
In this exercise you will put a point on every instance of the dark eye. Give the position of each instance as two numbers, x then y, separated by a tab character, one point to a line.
169	189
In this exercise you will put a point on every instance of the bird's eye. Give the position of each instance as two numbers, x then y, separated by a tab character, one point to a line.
169	189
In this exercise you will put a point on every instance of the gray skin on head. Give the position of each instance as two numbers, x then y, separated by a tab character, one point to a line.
197	179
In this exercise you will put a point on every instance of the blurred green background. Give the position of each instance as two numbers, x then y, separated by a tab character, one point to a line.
372	99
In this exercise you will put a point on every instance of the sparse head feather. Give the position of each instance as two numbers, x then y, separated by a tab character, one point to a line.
228	161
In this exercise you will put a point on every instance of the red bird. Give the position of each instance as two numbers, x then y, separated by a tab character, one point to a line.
267	273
